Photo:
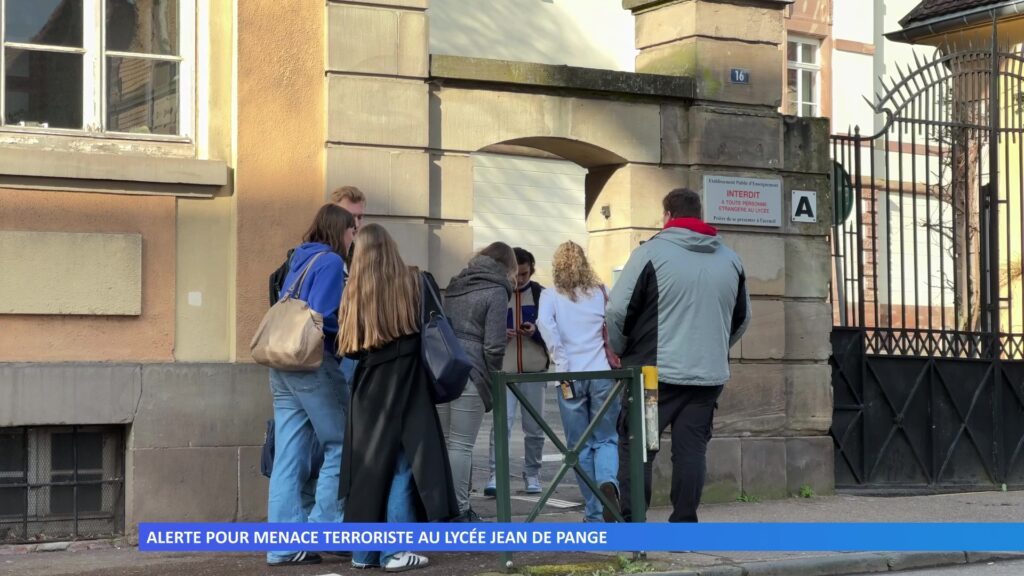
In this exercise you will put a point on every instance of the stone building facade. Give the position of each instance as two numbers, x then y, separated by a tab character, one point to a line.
135	265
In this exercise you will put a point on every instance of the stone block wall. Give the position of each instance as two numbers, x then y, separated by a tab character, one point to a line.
194	431
403	126
378	135
771	429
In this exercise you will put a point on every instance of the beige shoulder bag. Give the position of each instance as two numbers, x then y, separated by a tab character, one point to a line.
291	336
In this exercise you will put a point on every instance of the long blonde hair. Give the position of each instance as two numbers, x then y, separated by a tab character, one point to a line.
381	302
572	272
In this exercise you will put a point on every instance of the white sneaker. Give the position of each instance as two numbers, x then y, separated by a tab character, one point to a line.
532	484
405	561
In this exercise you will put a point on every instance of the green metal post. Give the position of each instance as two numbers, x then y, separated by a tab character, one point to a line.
637	450
499	382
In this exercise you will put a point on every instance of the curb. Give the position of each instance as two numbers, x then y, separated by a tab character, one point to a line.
65	546
849	563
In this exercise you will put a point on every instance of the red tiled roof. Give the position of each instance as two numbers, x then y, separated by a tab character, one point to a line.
931	8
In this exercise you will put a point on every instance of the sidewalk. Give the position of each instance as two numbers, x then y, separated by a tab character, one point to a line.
975	507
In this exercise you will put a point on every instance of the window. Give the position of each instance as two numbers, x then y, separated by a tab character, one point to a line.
61	482
803	73
116	66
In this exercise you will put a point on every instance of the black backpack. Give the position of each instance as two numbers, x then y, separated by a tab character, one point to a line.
277	278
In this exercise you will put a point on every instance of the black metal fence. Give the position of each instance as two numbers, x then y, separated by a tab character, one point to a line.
928	299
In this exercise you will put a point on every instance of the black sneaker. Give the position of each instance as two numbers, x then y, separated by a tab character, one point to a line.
468	516
298	559
612	494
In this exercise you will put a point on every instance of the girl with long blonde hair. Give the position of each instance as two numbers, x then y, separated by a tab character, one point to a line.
571	320
395	466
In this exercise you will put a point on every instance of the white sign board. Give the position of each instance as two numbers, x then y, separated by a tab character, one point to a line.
805	206
743	201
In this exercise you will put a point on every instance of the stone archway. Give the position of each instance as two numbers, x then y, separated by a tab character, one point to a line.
618	142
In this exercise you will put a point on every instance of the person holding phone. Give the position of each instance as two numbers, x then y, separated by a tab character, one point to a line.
525	353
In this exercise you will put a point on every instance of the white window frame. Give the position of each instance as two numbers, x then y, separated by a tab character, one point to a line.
94	69
804	43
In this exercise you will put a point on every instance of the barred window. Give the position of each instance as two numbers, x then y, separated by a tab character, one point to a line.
61	482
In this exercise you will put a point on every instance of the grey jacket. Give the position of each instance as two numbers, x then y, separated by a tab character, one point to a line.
679	304
476	303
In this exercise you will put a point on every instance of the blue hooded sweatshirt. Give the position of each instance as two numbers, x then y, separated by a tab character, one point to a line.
323	284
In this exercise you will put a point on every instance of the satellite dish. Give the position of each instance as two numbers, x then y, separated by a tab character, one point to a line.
842	194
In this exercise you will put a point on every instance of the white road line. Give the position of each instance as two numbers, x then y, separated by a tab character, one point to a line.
551	501
551	458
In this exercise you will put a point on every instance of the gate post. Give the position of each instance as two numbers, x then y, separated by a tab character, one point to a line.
994	293
771	434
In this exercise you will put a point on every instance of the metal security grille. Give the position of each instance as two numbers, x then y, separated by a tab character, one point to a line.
61	483
928	299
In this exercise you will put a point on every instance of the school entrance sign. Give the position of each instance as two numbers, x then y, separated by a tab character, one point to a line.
743	201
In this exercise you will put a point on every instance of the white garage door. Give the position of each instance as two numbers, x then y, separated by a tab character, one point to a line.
532	203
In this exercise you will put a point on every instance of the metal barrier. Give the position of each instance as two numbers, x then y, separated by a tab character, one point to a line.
630	380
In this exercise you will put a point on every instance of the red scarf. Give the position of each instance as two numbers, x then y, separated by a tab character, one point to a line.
694	224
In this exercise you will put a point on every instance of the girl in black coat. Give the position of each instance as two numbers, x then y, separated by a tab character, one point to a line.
395	464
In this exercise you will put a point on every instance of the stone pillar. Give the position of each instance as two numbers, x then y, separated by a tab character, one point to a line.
707	39
771	431
378	117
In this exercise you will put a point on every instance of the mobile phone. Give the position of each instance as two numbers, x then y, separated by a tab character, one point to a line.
568	389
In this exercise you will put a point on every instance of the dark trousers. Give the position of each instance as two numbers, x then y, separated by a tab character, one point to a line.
690	411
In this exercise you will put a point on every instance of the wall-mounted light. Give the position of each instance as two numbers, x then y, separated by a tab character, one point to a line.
606	211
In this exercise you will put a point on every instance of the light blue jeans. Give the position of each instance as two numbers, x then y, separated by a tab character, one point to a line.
348	369
599	457
400	509
307	403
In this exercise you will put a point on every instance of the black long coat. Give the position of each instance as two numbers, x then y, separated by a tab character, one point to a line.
392	408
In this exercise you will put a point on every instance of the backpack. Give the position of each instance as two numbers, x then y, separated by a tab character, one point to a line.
278	276
316	454
447	365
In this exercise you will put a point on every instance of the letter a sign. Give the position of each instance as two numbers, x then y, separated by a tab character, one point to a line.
805	206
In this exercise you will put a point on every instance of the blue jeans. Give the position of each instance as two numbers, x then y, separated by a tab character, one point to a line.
599	457
400	509
307	403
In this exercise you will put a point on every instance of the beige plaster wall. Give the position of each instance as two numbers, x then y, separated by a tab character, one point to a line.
279	178
148	337
205	293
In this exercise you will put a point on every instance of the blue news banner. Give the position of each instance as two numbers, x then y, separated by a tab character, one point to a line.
841	537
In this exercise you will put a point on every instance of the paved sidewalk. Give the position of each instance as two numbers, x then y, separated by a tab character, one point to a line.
974	507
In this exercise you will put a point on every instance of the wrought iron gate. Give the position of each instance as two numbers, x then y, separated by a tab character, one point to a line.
928	249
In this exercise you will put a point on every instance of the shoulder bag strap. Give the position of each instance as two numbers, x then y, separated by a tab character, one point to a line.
429	291
296	287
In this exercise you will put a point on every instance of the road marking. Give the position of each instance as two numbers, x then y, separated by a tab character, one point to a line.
551	501
551	458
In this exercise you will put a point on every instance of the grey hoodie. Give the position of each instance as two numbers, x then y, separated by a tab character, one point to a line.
679	304
476	303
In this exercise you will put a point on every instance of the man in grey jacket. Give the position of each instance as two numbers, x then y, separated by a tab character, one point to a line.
679	304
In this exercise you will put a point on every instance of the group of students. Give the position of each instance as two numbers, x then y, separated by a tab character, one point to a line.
388	453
